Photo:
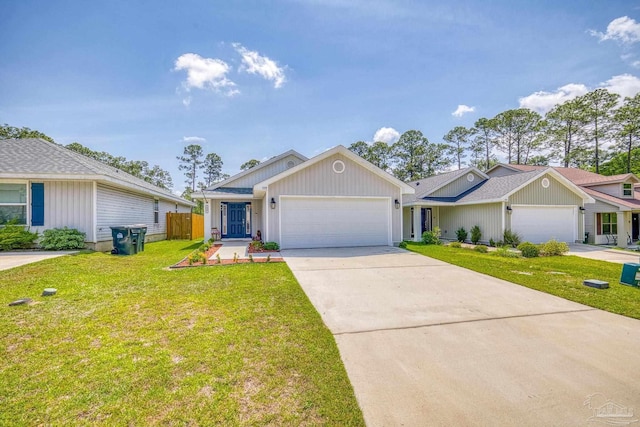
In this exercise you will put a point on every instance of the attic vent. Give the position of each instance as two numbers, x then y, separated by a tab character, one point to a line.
545	182
290	164
470	177
338	166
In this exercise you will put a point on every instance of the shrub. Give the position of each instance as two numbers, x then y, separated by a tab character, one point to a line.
554	248
402	245
432	237
57	239
481	248
506	253
257	245
13	236
492	243
476	234
455	244
271	246
461	234
528	250
511	238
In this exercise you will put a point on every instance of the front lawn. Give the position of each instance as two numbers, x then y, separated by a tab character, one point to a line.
127	342
561	275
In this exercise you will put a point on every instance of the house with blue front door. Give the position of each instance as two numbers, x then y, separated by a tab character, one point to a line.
334	199
45	185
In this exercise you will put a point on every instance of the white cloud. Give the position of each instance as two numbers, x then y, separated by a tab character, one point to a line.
254	63
388	135
624	29
624	85
205	73
463	109
544	101
193	139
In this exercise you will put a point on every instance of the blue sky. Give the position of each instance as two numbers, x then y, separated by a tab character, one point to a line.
251	79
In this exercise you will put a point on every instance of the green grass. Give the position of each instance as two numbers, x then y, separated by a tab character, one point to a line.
561	276
127	342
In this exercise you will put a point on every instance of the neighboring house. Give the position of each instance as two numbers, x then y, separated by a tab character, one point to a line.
613	218
45	185
335	199
538	205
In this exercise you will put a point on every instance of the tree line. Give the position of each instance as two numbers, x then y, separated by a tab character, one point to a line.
596	131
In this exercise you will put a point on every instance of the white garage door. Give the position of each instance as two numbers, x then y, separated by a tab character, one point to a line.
540	224
328	222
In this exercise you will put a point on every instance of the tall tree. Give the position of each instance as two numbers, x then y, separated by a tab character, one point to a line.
517	133
11	132
627	124
435	159
249	164
212	168
483	141
361	148
458	140
565	123
190	162
409	154
380	154
599	107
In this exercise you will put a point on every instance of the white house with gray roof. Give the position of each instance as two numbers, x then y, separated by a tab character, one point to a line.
334	199
539	205
45	185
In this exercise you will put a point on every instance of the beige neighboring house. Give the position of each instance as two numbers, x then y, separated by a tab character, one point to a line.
336	199
613	217
539	205
45	185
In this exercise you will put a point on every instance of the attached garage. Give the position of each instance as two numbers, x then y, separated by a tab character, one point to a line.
321	222
538	224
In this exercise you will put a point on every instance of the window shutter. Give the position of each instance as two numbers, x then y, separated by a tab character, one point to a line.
599	223
37	204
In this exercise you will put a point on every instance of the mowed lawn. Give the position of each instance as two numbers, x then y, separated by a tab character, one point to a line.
562	276
127	342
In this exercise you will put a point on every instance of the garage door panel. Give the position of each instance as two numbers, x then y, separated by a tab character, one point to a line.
334	222
540	224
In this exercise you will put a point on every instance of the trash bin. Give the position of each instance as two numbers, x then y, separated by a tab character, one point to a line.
630	274
138	233
123	243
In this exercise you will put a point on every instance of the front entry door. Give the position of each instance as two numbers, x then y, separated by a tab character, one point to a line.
635	227
236	220
426	220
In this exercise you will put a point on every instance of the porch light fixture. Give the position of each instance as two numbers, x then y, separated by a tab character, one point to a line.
273	203
397	203
581	210
509	209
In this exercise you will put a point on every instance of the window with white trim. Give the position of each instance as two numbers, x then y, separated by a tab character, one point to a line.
13	203
156	211
627	189
607	223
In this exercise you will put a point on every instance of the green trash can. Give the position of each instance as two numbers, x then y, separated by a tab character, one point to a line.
138	233
122	241
630	274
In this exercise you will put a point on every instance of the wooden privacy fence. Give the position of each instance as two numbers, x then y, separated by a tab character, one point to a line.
184	226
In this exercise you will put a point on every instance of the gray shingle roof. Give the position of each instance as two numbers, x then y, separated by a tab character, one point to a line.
36	157
427	185
495	188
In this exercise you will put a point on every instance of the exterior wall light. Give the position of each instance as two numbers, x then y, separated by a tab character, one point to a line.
509	209
397	203
273	203
581	210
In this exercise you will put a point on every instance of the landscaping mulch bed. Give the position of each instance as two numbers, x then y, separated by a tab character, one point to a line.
211	252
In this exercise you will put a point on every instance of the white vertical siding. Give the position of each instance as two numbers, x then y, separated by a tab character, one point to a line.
590	223
536	194
488	217
320	180
458	186
264	173
68	204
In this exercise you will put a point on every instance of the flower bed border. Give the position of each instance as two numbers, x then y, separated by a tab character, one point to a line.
184	263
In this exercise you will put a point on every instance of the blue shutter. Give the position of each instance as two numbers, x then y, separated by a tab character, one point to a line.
37	204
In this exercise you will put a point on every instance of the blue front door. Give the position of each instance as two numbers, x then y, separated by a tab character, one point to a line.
236	220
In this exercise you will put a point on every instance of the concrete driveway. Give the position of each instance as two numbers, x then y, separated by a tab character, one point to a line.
428	343
604	253
14	259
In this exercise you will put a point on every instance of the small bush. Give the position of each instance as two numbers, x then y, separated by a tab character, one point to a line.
506	253
402	245
461	234
455	244
432	237
476	234
271	246
13	236
481	248
554	248
492	243
257	245
511	238
58	239
528	250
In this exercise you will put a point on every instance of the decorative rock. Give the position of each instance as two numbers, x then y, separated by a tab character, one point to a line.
21	301
49	291
594	283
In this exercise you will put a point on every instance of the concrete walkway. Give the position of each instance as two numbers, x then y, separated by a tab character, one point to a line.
240	248
604	253
428	343
14	259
